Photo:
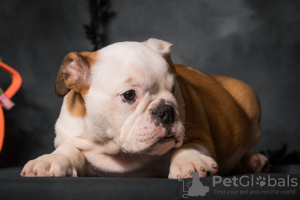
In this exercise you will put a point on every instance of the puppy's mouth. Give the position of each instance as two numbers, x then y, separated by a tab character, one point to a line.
168	138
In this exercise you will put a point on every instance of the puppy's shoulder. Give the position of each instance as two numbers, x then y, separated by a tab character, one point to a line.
190	77
71	122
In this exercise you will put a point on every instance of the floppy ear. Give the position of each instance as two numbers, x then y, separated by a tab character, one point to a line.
163	48
160	46
74	73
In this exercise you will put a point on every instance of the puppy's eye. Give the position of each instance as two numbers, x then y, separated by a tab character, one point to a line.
173	89
129	95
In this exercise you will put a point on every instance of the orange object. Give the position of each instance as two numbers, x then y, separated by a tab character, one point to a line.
9	93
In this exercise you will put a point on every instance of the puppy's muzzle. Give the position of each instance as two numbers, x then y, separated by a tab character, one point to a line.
164	114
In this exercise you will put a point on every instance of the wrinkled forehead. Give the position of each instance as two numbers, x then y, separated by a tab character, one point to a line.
130	60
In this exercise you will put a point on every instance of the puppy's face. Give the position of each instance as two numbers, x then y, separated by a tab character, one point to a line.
130	98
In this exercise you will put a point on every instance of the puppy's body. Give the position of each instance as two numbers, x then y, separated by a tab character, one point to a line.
223	110
127	110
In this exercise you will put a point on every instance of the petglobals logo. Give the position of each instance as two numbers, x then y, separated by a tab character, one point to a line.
251	181
195	187
256	184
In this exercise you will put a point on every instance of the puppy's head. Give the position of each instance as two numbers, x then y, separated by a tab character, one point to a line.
129	93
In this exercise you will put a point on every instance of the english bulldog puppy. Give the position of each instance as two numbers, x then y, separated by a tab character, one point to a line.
128	111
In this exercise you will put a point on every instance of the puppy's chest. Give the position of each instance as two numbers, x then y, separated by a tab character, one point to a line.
136	166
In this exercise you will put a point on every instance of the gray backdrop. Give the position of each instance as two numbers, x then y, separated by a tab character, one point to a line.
257	41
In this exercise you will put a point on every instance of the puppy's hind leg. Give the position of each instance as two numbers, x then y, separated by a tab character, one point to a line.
252	163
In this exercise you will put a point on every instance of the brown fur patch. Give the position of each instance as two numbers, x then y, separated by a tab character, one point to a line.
130	79
75	104
90	57
214	119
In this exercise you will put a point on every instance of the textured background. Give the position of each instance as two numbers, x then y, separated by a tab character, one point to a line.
257	41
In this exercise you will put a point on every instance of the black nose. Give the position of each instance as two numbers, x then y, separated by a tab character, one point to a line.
165	113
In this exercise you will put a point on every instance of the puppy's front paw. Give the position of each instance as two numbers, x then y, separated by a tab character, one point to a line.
49	165
184	166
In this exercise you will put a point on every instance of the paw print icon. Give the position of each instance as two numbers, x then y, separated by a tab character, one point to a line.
261	181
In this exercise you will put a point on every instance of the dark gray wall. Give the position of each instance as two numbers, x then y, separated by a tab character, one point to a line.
257	41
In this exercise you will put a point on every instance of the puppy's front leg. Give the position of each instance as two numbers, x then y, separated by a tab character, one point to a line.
66	160
189	158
